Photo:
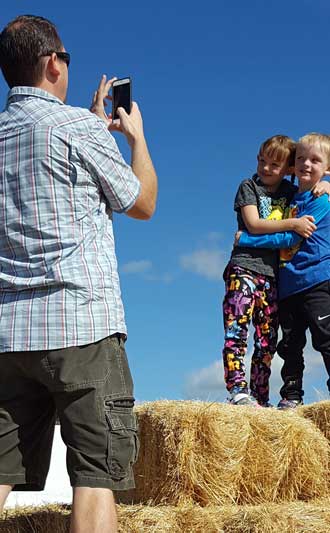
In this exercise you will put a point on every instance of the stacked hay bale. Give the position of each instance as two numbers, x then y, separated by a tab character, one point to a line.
294	517
212	468
215	454
319	414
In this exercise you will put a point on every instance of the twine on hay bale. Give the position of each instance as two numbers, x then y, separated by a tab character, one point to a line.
319	414
198	452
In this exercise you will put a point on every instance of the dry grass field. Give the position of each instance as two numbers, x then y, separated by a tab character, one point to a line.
212	468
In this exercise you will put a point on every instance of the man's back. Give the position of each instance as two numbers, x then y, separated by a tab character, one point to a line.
58	187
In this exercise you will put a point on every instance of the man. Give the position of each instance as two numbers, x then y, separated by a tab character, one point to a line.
62	327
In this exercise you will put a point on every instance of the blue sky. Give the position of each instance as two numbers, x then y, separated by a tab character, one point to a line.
213	80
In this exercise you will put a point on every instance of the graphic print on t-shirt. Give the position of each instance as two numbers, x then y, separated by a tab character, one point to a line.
271	208
286	254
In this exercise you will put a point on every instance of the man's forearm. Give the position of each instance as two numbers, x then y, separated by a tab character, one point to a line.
144	170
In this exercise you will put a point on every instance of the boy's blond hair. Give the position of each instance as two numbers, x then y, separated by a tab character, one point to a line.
319	139
279	147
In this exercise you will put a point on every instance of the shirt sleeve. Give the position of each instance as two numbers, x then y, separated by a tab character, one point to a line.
316	207
285	239
104	162
246	195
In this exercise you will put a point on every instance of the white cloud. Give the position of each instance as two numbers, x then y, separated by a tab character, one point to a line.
208	263
214	236
164	278
137	267
145	269
206	383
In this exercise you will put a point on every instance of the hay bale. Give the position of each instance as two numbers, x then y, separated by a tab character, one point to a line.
295	517
144	519
319	414
183	454
54	518
291	461
205	453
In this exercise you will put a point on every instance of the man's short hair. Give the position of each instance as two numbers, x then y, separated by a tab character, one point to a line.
279	147
22	44
321	140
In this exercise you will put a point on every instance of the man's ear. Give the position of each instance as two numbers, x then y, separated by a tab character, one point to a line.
52	69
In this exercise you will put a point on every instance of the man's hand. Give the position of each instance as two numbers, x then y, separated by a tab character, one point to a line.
131	125
237	237
99	100
304	226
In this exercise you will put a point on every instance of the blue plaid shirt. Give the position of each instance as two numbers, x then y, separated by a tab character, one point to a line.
61	177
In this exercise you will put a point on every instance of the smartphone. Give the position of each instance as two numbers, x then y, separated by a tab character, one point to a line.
121	96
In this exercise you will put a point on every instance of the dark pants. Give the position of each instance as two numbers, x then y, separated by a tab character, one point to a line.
309	309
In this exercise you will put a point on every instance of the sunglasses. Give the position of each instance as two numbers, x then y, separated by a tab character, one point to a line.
65	56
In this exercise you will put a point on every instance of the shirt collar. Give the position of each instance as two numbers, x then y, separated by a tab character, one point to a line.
19	93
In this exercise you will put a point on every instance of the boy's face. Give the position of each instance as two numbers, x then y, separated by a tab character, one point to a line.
311	165
271	171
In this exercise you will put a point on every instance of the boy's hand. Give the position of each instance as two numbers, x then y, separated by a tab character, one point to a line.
304	226
237	237
323	187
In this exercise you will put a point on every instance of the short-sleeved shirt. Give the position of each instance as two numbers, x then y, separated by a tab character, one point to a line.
271	205
61	178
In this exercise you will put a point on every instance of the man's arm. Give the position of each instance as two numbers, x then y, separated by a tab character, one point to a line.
132	127
316	207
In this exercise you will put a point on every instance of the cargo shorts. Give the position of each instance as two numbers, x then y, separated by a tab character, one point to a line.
90	389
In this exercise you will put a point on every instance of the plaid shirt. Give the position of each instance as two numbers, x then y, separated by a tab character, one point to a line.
61	177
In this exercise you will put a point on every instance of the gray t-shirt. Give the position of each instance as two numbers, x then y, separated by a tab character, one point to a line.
270	205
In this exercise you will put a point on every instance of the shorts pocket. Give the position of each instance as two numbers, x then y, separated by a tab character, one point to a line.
123	444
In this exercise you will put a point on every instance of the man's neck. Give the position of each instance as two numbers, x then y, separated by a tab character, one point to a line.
50	88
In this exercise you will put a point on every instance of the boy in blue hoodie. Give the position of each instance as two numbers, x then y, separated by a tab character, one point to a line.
304	274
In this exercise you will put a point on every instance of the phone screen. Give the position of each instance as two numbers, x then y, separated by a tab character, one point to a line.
121	96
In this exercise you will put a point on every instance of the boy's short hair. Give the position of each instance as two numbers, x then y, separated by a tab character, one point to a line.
280	148
320	139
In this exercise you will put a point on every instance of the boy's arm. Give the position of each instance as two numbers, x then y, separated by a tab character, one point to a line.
255	225
323	187
316	208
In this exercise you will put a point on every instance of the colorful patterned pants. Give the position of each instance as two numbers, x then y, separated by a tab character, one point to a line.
249	296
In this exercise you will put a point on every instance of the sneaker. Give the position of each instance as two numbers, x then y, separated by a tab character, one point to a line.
289	404
265	404
242	398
